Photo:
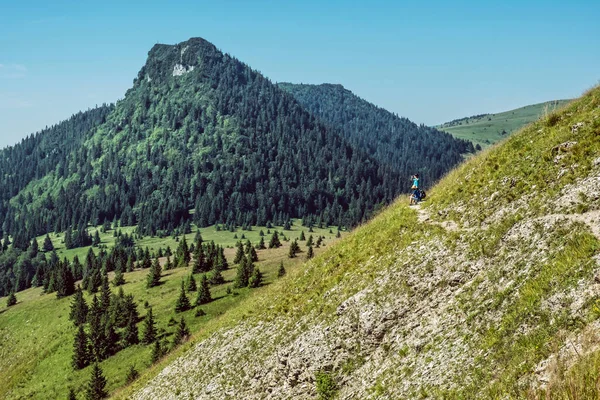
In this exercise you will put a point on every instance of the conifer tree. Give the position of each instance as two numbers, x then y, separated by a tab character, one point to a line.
118	280
294	249
94	281
239	253
132	374
131	334
96	334
302	237
105	293
252	255
242	276
12	299
338	235
33	249
182	255
256	278
274	242
319	241
79	308
168	264
181	333
149	335
111	339
130	266
281	270
204	292
96	389
215	277
157	352
154	275
96	240
81	357
64	281
309	242
183	303
310	253
261	244
192	287
199	259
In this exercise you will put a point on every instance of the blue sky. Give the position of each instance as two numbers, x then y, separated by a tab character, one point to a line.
430	61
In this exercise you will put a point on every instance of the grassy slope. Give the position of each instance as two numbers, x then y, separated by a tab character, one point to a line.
36	336
487	130
522	166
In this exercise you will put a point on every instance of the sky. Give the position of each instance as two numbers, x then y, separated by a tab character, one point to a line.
430	61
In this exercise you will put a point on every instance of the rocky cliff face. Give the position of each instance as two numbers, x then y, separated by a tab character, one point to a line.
487	290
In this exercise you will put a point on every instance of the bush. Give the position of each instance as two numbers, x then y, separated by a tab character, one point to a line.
326	386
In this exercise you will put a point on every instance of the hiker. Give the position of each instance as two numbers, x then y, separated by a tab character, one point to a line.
416	196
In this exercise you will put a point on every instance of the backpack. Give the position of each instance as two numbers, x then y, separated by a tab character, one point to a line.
422	194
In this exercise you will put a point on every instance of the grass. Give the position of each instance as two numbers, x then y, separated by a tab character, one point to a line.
488	129
36	336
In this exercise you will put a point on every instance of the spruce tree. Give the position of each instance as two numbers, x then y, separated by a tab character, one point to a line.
79	308
239	253
96	334
131	334
338	235
241	277
281	270
153	278
96	240
256	278
111	339
168	264
132	374
181	333
96	389
183	303
182	255
105	293
204	292
294	249
215	277
261	244
118	280
310	253
274	242
319	241
11	300
156	352
81	356
199	259
149	335
252	254
192	287
130	265
64	282
309	242
302	237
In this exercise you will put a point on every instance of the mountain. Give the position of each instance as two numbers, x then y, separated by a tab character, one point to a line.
407	147
489	289
486	129
201	131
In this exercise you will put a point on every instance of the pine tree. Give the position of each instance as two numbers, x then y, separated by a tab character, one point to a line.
241	277
274	242
192	287
131	334
310	253
181	333
12	299
294	249
204	292
130	265
302	237
132	374
118	280
153	278
309	242
96	335
281	270
149	335
105	293
81	357
64	283
111	340
256	278
168	264
156	352
252	254
182	255
96	240
215	277
199	259
79	308
239	253
97	386
319	241
338	235
261	244
33	249
183	303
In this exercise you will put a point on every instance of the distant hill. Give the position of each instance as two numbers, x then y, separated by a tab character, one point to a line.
407	147
487	129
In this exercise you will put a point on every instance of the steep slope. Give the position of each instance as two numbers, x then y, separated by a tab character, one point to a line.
406	146
198	130
487	129
488	290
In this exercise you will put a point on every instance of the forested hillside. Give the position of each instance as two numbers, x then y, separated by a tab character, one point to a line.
407	147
